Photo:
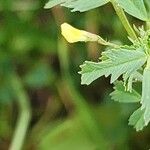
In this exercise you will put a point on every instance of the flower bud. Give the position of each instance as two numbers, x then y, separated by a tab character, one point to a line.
73	35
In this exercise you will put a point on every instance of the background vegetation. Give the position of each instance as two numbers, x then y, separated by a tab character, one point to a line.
39	83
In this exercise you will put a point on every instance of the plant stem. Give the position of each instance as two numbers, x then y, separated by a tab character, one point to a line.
103	42
24	114
124	20
92	26
81	106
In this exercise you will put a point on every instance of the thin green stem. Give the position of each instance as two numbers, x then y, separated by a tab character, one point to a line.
103	42
124	20
82	108
24	113
63	57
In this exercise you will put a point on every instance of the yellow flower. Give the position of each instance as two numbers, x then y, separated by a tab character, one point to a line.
72	34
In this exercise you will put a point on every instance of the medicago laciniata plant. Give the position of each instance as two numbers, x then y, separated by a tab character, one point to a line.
132	62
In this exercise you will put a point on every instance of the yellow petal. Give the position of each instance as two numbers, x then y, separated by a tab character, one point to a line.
72	34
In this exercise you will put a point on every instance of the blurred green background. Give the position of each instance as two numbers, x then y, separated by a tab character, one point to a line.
40	84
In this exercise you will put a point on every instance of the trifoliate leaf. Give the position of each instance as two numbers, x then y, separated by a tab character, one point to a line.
119	61
137	119
119	94
146	93
77	5
135	8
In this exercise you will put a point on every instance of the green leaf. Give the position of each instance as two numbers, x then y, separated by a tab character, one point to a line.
137	119
120	95
118	62
135	8
146	93
77	5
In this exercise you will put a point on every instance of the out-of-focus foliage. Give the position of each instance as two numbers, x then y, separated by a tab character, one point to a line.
65	115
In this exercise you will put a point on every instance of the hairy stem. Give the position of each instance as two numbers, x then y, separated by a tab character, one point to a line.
124	20
24	114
